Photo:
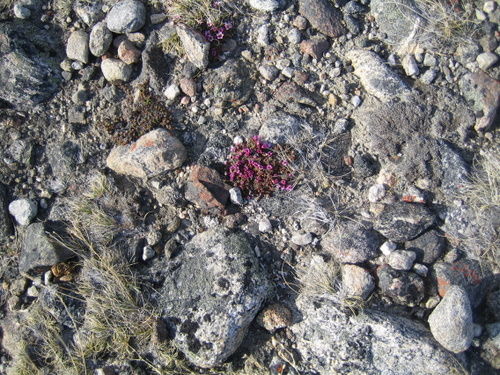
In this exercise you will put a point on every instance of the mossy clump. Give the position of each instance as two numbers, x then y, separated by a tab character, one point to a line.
139	117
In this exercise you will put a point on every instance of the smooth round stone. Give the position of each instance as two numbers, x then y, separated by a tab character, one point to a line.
126	16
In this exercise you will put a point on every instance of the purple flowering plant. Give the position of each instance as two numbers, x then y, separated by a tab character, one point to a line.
259	168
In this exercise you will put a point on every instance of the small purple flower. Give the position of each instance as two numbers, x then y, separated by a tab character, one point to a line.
219	35
228	25
269	167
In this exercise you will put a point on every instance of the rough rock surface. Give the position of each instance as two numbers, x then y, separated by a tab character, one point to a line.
351	242
451	321
377	79
428	247
78	46
403	287
154	153
195	46
5	223
100	39
323	17
212	295
331	341
23	210
29	74
38	252
116	71
356	281
404	221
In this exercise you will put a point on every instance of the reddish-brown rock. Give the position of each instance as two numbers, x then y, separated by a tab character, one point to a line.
314	47
188	86
128	53
206	189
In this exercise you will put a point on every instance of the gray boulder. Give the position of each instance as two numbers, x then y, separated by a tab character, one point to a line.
376	77
100	39
127	16
451	321
351	242
212	294
29	56
331	341
39	252
428	247
77	47
401	222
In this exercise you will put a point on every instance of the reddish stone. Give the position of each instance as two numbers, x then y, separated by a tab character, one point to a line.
206	189
128	53
314	47
188	86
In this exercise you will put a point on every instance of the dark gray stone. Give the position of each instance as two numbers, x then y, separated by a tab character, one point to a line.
100	39
451	321
5	223
322	15
29	58
329	340
401	222
212	294
351	242
402	287
428	247
39	252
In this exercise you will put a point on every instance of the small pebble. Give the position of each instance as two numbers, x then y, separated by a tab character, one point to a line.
265	225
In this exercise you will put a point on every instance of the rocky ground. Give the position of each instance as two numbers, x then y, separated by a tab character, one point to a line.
249	187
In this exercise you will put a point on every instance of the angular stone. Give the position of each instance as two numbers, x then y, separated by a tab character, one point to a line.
323	16
401	222
152	154
188	86
290	92
126	16
451	321
428	247
206	188
115	70
100	39
401	259
314	47
330	340
403	287
351	242
23	210
356	281
77	47
274	316
39	252
211	295
486	60
376	77
195	46
264	5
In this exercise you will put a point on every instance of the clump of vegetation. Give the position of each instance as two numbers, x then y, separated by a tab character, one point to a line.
447	21
259	168
482	194
210	18
139	117
319	277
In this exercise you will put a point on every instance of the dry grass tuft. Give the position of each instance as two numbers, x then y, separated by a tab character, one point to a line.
195	13
482	194
319	277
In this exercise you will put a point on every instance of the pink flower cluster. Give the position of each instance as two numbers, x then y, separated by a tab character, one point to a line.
257	170
214	33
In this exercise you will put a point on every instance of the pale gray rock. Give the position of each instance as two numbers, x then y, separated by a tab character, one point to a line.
115	70
356	281
90	12
376	77
263	35
23	210
172	91
279	128
376	192
236	196
410	66
100	39
195	46
302	238
153	153
77	47
329	340
429	76
211	295
269	72
21	11
264	5
451	321
265	225
127	16
486	60
401	259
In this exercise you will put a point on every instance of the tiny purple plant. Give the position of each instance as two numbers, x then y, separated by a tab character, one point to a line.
255	167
